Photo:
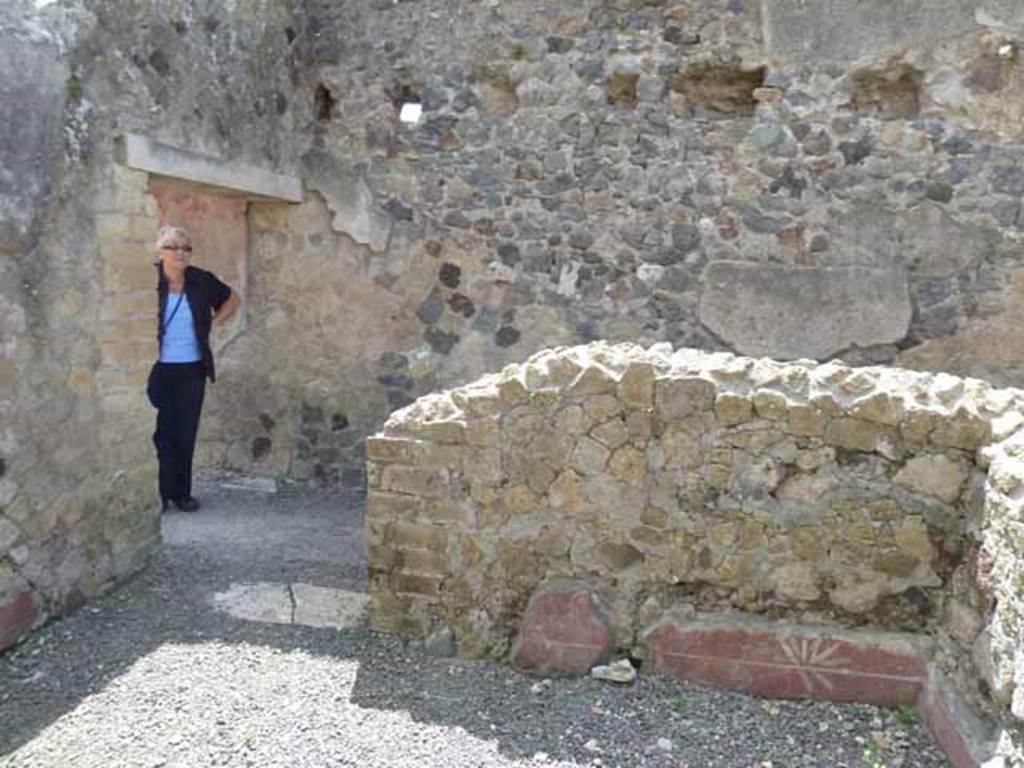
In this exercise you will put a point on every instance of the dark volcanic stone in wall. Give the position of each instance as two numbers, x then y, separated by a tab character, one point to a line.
324	102
430	310
506	336
854	152
461	304
211	78
260	447
449	275
1009	181
440	341
579	171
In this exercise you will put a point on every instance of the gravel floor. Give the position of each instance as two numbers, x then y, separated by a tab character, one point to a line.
152	675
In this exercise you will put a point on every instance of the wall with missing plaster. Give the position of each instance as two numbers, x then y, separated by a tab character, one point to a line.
717	175
78	505
722	176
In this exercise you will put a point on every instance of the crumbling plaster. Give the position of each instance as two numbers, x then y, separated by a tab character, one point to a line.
684	172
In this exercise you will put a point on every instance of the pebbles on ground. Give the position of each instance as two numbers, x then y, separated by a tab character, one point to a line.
154	674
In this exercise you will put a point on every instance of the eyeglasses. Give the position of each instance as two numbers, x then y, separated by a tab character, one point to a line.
185	248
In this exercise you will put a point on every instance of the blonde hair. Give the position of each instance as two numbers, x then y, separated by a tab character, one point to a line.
168	235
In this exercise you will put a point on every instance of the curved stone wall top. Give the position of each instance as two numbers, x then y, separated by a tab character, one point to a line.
940	409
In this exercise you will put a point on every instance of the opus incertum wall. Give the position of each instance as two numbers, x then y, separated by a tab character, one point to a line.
790	529
80	205
78	502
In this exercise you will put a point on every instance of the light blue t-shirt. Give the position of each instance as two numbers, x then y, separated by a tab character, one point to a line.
180	342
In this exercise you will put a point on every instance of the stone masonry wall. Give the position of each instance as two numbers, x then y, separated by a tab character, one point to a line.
686	483
726	175
722	175
78	505
298	390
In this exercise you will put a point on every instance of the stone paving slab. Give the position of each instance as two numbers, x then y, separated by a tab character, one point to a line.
271	603
298	603
261	484
325	607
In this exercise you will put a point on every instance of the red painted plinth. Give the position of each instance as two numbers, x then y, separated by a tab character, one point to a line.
970	740
16	618
563	632
947	734
787	662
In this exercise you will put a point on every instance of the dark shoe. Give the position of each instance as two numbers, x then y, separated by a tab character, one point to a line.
188	504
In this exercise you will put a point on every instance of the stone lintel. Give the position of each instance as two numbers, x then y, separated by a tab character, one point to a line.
792	312
146	154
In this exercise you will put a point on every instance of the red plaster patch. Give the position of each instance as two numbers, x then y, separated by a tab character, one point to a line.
563	632
778	662
16	619
216	224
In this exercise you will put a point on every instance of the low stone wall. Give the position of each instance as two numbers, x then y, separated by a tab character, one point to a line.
686	484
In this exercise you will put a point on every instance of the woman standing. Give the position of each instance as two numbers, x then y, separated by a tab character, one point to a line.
192	301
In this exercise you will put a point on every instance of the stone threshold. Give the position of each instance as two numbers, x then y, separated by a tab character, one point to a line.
144	153
296	604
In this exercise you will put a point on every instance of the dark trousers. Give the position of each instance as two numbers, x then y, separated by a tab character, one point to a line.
176	390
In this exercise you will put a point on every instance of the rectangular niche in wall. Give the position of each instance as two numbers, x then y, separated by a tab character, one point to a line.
209	197
217	225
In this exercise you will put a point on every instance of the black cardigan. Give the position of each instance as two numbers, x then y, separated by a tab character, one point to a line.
206	294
